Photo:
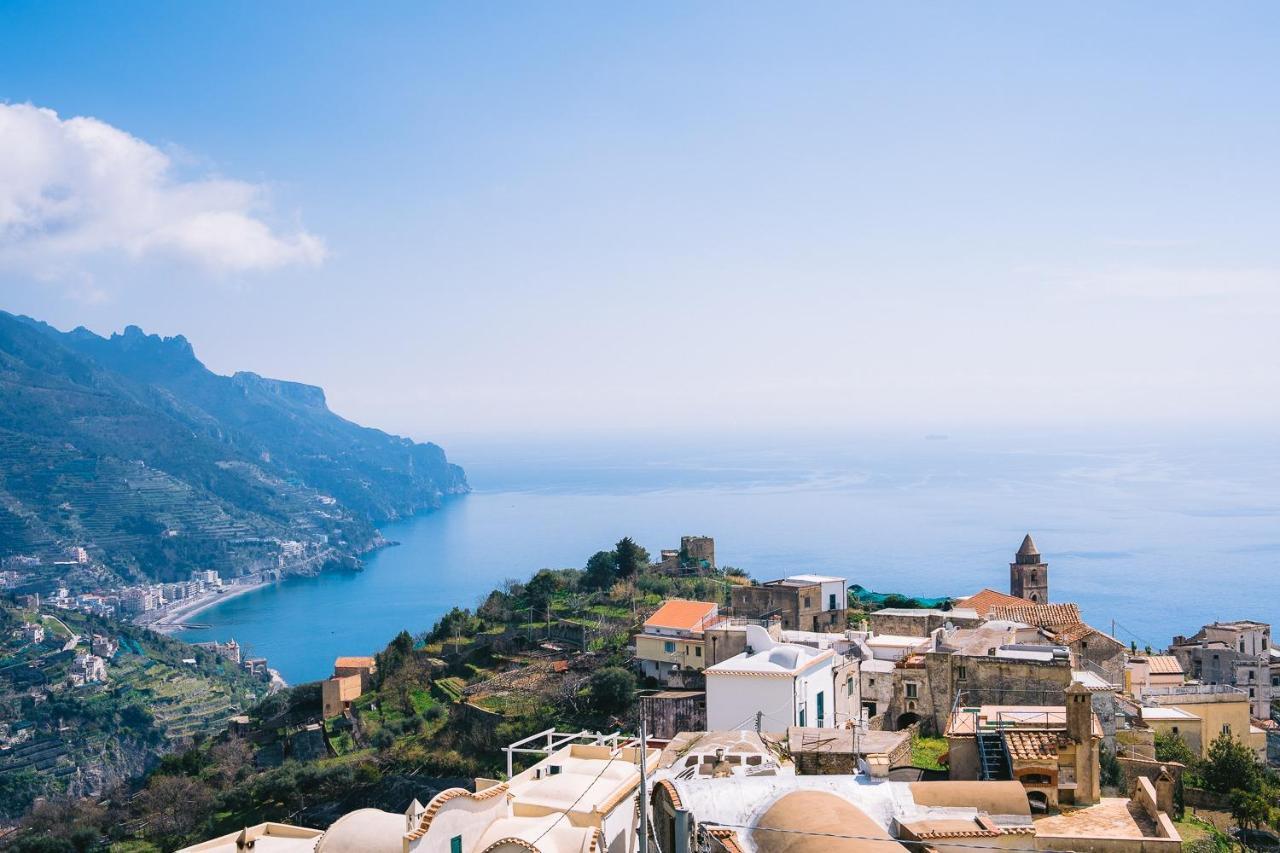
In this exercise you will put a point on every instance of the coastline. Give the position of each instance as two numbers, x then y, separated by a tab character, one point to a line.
173	619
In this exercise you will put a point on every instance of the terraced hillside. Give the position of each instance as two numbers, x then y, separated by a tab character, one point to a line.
159	695
130	447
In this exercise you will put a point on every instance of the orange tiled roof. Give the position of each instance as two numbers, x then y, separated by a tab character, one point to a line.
1071	633
1040	615
1032	746
1164	665
681	614
986	599
353	663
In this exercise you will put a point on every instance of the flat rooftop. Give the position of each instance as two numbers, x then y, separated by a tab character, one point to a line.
924	612
1024	717
781	659
1111	817
1154	713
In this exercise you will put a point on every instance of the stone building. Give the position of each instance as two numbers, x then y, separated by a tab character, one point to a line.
1053	751
921	622
1234	653
1003	663
695	554
803	602
1028	574
1094	651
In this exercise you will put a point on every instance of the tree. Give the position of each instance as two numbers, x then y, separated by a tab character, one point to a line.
173	807
601	569
1110	773
630	558
17	789
1231	765
229	761
611	689
539	589
1250	809
1171	747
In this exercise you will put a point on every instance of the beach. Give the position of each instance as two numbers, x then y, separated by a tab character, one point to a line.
173	617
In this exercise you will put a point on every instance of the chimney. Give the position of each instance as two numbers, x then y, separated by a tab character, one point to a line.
1079	714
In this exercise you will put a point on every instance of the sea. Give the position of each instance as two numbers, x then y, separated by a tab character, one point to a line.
1152	532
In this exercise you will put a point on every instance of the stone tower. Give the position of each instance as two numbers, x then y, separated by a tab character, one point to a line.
697	549
1080	731
1028	576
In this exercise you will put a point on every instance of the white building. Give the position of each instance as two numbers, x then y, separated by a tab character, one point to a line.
581	798
782	684
88	669
32	632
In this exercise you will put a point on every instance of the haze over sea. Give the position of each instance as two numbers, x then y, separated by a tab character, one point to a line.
1157	532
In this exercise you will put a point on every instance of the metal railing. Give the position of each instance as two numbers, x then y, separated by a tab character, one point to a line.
554	740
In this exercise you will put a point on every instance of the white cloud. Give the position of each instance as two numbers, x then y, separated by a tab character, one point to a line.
77	188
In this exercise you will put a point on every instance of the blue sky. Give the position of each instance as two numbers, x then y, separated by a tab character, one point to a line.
465	218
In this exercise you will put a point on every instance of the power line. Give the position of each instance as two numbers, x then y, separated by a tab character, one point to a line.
882	839
573	805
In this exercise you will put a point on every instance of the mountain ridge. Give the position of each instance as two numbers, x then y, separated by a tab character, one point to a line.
129	446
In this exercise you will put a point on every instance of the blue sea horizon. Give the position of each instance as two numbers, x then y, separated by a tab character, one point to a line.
1151	536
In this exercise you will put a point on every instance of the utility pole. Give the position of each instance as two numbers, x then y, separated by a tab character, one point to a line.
644	790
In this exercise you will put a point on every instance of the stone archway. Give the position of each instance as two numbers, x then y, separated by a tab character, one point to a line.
910	718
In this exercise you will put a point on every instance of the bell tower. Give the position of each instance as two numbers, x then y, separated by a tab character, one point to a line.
1028	576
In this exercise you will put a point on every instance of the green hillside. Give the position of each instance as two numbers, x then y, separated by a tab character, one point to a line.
130	447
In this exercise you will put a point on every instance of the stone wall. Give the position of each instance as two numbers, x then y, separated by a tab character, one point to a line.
788	603
1133	769
984	680
919	623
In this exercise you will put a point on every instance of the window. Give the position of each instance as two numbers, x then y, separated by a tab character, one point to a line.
871	682
1226	728
802	718
455	844
808	602
960	673
1174	729
822	713
669	647
697	651
831	601
913	690
848	686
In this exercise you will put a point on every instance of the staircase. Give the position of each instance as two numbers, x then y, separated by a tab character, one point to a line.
993	758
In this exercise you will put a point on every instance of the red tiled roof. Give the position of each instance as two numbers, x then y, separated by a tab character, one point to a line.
1164	665
1040	615
681	614
1032	746
986	599
353	663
